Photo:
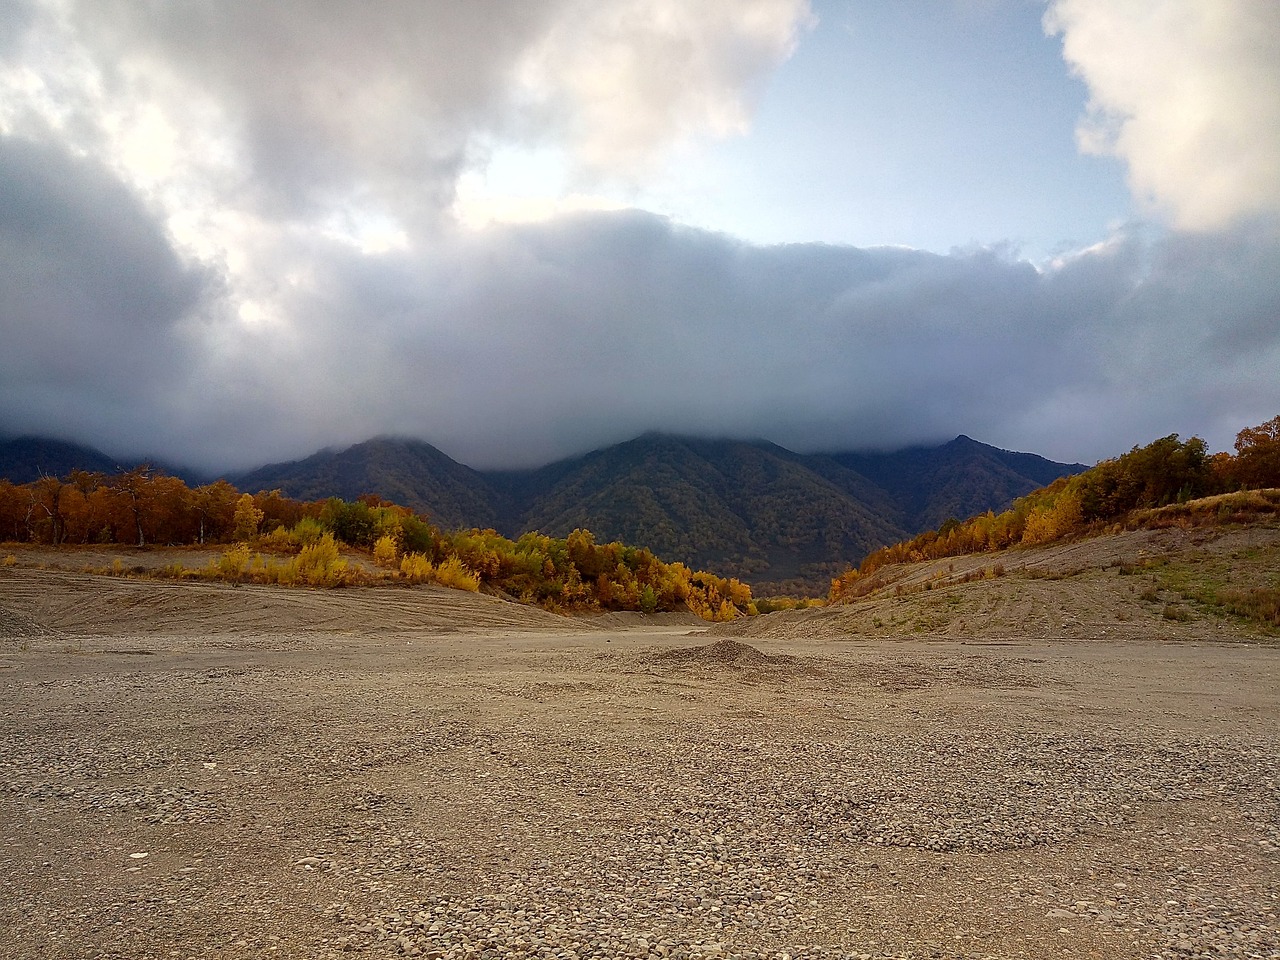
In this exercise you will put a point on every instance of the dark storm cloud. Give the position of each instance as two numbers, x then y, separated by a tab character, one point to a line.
526	343
520	344
93	301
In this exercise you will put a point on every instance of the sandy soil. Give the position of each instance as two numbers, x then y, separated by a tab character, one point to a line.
1138	585
196	770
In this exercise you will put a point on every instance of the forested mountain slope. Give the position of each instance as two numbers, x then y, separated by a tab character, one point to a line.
783	521
411	473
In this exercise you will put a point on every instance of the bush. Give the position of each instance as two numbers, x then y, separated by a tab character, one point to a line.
353	523
416	568
648	600
418	536
386	551
278	539
453	573
319	564
307	530
232	564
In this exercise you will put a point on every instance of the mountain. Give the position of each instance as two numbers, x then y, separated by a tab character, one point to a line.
958	479
784	522
753	510
28	458
411	473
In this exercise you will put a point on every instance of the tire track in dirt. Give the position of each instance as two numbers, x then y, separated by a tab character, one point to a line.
39	602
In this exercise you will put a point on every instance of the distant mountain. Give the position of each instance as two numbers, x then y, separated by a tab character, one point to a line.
782	521
28	458
959	479
408	472
754	510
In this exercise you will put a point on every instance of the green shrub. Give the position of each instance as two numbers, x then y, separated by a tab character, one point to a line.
648	600
307	530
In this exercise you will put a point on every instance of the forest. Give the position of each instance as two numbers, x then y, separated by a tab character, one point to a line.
1106	498
271	538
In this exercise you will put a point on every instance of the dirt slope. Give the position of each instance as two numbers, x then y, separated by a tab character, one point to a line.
1138	585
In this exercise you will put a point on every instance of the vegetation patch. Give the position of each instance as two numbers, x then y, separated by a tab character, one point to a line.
1167	483
268	538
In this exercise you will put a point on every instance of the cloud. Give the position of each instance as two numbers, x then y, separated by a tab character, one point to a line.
93	301
630	78
224	240
520	344
302	111
1185	92
526	343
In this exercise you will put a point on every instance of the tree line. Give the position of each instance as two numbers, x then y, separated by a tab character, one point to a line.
1164	472
143	507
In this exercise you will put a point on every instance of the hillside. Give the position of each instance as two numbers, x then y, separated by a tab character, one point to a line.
24	459
958	479
408	472
754	509
1150	584
783	521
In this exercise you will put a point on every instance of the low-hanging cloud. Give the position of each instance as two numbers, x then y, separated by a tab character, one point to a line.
517	345
95	306
1185	92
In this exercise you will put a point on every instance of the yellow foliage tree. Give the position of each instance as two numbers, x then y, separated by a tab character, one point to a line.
247	519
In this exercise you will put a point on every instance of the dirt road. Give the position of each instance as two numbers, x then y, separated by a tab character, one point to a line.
194	770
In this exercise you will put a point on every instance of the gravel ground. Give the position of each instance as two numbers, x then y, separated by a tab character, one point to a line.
573	791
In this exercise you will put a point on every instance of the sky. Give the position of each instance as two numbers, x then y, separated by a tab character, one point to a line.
234	232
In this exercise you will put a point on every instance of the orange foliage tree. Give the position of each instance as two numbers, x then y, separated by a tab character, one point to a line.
1258	455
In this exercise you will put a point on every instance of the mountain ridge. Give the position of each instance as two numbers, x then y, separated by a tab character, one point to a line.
781	520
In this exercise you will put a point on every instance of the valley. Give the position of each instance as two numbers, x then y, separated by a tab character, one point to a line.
1034	764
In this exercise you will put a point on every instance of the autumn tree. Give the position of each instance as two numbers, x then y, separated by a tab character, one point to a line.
132	487
1258	455
280	511
215	508
14	505
168	516
247	518
80	507
46	495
